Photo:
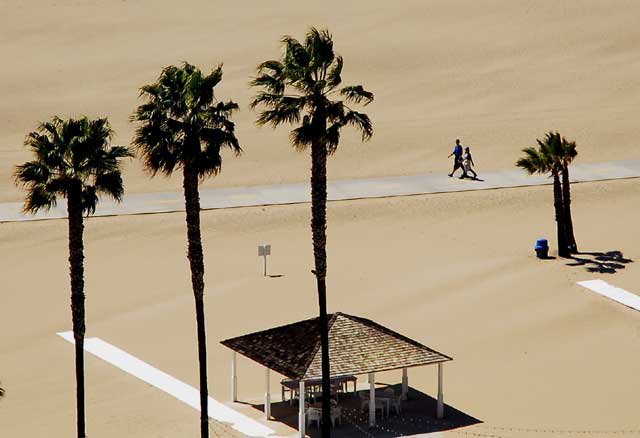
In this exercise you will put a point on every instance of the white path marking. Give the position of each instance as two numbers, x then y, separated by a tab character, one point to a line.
615	293
180	390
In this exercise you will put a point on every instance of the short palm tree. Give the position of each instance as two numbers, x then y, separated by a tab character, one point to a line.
569	153
183	126
542	160
303	88
73	160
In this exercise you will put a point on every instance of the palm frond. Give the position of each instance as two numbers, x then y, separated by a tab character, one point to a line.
360	121
286	109
89	200
110	184
266	99
357	94
282	114
271	83
39	198
273	66
334	77
302	136
534	161
296	57
333	137
319	46
32	172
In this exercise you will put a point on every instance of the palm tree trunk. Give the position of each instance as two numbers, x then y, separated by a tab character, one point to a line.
319	231
563	249
566	202
76	270
196	261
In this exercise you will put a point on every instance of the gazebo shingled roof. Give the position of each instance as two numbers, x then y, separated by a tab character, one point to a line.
356	346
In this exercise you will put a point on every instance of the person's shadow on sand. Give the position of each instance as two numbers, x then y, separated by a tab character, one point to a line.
472	178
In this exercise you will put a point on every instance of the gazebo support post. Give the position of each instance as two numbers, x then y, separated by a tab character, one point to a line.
440	408
405	383
301	413
267	396
234	378
372	399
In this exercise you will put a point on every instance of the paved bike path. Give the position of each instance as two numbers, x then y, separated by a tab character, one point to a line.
164	202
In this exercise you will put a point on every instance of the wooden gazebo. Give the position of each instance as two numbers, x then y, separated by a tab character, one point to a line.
356	346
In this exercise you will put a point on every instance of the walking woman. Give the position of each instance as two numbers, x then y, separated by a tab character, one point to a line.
467	163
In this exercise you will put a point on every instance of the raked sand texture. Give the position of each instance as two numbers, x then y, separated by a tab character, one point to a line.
532	349
497	74
457	272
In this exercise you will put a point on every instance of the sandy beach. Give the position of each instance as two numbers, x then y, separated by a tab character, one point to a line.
530	347
497	75
456	271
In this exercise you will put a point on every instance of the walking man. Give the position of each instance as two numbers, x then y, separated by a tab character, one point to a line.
457	159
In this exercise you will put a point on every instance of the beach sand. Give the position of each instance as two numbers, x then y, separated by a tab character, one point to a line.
496	74
455	271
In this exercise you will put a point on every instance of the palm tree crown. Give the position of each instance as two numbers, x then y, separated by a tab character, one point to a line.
300	87
183	125
534	161
71	153
569	151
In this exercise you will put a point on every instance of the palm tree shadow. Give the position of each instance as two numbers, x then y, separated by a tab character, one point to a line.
601	262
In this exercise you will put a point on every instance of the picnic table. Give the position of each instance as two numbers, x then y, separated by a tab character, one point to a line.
314	386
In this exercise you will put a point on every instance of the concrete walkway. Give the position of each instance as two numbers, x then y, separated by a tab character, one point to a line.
142	203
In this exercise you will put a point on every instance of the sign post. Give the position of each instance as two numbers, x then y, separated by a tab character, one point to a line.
264	251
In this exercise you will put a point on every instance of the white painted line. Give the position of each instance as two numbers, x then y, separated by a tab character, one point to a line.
180	390
615	293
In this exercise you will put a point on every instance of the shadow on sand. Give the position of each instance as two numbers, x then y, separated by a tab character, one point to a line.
601	262
418	416
472	178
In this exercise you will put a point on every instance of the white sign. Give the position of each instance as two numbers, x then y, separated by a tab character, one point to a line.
264	250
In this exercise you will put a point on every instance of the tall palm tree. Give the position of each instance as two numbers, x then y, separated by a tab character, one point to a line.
303	88
542	160
569	153
183	126
73	160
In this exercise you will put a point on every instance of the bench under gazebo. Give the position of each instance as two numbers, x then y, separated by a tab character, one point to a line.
356	346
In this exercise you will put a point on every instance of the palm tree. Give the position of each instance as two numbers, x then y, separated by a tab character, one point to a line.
542	160
73	160
301	89
569	153
183	126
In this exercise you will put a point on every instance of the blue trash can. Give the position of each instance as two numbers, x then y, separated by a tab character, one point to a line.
542	248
